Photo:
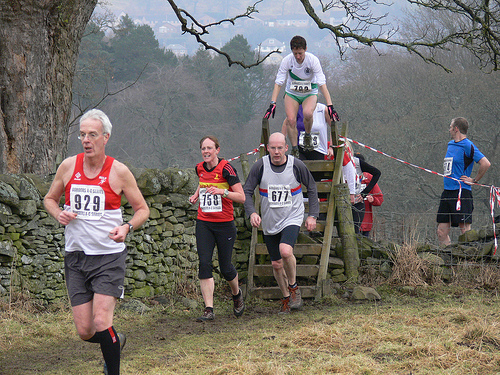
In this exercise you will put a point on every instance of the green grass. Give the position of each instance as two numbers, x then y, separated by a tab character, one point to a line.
432	330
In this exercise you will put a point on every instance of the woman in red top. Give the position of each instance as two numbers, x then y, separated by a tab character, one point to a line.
374	198
219	187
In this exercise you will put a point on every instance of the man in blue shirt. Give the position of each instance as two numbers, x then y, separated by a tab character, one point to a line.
458	164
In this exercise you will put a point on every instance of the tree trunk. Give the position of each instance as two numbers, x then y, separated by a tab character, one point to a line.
39	41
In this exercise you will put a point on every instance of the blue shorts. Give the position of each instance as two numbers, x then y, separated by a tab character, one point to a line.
288	235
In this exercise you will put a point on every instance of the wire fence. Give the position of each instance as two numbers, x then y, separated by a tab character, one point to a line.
402	226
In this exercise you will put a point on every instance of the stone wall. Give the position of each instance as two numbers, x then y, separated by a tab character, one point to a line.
162	253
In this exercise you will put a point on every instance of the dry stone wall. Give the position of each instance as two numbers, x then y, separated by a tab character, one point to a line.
161	254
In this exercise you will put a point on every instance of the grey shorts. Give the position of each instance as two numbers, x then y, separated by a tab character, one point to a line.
90	274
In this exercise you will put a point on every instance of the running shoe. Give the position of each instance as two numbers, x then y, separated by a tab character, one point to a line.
239	304
295	298
308	145
285	307
207	315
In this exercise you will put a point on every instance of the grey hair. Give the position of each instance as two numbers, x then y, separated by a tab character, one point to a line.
97	114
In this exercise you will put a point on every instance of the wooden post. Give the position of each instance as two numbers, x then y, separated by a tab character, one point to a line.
348	235
245	167
264	137
328	232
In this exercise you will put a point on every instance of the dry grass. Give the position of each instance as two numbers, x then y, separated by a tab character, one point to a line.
438	330
411	270
476	275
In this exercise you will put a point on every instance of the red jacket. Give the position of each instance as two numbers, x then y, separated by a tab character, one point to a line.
378	198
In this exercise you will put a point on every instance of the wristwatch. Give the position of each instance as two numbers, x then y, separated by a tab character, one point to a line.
225	194
131	227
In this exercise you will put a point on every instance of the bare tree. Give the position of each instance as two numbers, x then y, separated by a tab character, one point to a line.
477	29
472	24
39	42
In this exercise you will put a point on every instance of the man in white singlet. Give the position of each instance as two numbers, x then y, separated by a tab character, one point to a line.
95	253
280	178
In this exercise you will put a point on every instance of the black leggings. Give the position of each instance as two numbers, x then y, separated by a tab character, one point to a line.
358	213
208	234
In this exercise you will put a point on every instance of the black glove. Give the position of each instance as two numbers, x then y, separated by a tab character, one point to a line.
271	110
333	113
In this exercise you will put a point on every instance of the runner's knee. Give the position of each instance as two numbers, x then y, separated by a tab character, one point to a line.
277	264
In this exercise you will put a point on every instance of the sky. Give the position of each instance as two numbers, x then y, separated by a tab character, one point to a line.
160	10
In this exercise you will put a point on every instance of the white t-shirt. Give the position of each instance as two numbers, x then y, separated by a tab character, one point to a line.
298	76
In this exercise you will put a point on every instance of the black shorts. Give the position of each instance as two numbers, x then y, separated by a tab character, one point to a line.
288	235
447	212
90	274
310	155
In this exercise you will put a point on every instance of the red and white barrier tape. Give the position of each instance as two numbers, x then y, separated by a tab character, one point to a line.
494	191
254	151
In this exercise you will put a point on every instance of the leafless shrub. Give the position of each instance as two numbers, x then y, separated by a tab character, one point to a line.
477	275
370	275
21	302
186	288
408	268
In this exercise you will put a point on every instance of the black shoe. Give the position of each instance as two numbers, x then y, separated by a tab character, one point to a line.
239	304
207	315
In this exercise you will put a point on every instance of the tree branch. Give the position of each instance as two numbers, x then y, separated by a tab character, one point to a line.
477	28
198	31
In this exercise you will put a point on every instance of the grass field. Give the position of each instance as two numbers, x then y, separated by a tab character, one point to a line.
422	330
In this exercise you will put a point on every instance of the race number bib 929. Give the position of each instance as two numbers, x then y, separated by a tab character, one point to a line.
210	202
447	166
301	86
87	201
279	196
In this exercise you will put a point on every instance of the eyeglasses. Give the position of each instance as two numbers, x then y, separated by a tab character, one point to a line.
92	136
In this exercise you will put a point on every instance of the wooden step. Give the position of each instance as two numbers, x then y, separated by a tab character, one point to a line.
323	207
320	226
320	165
303	270
275	293
298	249
322	187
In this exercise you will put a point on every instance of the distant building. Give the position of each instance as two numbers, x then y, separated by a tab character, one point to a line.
287	22
269	45
169	28
249	22
177	49
206	19
274	59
